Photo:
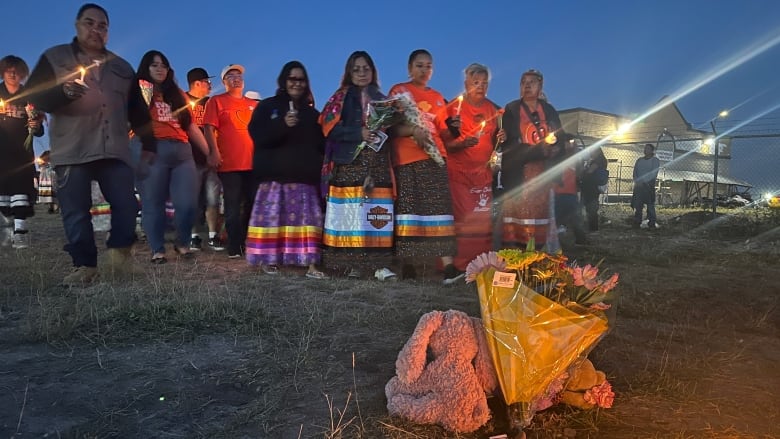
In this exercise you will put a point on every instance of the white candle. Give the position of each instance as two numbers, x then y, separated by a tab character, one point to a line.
83	73
292	107
460	102
481	127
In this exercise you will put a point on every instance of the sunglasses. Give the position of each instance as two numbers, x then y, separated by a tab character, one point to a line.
297	79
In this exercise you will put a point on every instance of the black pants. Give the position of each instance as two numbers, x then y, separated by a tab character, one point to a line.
590	199
238	191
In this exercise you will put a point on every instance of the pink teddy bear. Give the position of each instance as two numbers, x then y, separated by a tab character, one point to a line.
451	389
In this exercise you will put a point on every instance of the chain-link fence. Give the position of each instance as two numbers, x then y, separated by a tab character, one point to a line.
748	168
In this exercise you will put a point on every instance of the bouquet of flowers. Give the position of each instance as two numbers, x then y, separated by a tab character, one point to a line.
381	115
542	315
413	116
32	114
147	90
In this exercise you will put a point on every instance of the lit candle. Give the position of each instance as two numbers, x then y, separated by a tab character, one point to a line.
192	104
2	105
460	102
481	127
80	81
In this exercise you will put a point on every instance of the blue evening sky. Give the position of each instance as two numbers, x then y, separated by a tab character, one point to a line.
613	56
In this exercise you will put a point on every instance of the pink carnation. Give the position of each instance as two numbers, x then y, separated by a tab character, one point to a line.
601	395
601	306
585	276
609	283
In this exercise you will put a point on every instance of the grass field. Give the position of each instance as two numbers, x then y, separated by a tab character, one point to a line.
211	348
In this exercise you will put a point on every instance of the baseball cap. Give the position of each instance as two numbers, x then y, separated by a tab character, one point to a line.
253	95
534	72
197	74
230	67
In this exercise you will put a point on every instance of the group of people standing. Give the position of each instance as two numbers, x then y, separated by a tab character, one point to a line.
300	187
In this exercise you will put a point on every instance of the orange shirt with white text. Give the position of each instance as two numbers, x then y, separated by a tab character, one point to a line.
165	124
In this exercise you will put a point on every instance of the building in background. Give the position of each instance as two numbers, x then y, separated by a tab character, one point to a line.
687	154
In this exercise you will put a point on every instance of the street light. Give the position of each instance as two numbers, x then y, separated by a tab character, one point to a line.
716	145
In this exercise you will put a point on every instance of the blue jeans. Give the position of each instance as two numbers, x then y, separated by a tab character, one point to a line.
172	173
74	193
644	194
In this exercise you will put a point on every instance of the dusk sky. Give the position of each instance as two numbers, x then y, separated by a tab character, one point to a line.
612	56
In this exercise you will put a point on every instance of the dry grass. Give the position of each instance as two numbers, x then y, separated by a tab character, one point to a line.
213	349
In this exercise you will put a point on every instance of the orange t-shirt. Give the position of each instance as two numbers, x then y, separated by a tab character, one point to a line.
474	159
432	107
165	124
230	116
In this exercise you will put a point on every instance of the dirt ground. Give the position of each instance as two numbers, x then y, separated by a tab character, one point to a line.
212	349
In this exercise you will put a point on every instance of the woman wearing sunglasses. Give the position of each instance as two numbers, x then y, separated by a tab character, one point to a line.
285	227
533	128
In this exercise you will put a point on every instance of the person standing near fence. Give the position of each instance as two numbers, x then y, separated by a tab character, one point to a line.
645	174
593	178
86	90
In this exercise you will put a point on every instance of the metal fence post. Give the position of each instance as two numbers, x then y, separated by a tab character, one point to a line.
715	169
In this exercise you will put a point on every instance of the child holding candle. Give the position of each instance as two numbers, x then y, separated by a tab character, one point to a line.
17	167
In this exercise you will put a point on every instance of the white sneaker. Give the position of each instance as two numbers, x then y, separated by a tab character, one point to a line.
21	240
385	274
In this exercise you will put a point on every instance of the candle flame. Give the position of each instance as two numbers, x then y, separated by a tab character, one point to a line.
460	98
483	124
82	70
192	104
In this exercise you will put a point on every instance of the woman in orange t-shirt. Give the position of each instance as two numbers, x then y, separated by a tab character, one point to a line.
424	223
470	138
170	170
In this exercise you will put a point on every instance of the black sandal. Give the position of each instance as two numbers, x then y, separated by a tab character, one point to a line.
159	260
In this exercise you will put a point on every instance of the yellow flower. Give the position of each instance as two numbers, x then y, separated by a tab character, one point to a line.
520	260
544	275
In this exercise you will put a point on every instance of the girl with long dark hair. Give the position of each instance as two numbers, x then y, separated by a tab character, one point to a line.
170	169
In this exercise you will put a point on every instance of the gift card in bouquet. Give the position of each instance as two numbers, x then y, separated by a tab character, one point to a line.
377	145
